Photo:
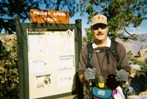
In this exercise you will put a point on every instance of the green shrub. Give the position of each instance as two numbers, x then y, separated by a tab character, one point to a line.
9	80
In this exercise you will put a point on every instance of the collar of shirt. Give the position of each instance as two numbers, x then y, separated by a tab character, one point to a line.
108	44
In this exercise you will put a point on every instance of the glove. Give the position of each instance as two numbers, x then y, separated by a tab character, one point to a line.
90	74
121	75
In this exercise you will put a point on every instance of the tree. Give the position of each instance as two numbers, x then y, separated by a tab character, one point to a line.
9	87
129	55
89	37
12	8
66	5
121	14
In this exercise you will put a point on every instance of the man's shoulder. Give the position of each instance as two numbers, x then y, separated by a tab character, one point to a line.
119	47
84	47
117	43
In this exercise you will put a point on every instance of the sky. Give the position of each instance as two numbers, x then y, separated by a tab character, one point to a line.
84	22
142	29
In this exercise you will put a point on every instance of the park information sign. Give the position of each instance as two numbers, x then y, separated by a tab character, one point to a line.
51	56
49	16
48	56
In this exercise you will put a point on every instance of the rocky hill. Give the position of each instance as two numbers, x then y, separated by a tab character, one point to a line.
135	46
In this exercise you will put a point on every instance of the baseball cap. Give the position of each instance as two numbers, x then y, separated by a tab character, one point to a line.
99	19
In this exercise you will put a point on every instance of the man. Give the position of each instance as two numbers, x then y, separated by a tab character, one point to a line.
104	63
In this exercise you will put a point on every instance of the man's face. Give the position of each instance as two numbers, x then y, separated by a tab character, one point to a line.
100	32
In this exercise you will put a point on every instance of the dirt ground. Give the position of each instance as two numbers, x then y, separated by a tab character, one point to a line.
68	97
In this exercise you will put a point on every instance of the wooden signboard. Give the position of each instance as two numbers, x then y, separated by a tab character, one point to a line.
48	55
49	16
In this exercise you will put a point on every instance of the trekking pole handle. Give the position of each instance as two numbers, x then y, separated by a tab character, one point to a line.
90	84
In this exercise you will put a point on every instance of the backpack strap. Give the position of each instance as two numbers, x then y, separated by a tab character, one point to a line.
112	49
89	50
115	53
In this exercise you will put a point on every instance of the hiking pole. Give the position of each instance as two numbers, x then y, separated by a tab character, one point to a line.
90	85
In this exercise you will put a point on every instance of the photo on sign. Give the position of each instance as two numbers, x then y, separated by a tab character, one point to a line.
43	81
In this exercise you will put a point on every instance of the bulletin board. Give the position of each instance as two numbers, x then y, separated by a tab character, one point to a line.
51	57
48	56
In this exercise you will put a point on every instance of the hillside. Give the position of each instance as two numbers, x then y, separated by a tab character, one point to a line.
135	46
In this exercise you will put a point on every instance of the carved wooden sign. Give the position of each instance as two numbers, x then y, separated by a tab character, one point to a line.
49	16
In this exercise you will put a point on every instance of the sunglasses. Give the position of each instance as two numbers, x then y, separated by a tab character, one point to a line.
97	26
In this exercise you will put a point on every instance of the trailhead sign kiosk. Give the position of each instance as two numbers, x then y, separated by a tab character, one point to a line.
48	55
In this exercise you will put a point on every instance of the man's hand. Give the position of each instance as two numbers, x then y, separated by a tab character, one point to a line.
89	74
121	75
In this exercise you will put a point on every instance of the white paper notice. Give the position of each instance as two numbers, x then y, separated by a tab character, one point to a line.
36	43
54	38
65	79
37	66
66	62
